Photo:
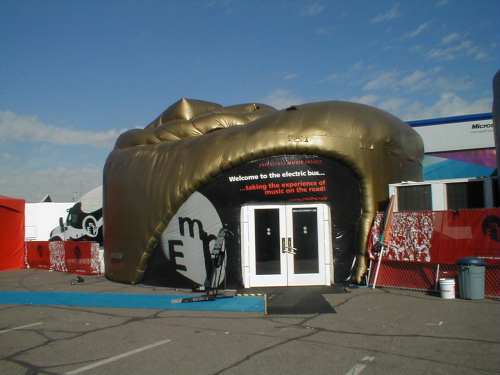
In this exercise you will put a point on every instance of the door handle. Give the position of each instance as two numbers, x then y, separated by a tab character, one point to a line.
288	249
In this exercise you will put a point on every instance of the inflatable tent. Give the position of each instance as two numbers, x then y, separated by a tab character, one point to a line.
11	233
296	189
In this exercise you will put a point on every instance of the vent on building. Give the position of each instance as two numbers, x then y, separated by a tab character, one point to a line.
464	195
414	198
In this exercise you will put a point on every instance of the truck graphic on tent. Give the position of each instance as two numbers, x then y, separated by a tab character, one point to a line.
84	220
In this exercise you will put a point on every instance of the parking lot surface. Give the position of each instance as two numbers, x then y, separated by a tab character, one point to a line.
374	331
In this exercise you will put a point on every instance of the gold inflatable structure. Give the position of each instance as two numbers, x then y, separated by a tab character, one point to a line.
152	171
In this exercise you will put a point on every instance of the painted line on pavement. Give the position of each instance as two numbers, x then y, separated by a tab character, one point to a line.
20	327
357	368
116	357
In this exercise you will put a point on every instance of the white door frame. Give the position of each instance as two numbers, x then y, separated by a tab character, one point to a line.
287	277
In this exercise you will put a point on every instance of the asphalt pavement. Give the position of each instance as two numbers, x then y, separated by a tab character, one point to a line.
374	331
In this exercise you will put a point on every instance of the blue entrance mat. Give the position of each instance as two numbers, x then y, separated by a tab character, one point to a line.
133	301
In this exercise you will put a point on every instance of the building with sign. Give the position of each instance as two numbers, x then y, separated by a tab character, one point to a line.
458	147
460	166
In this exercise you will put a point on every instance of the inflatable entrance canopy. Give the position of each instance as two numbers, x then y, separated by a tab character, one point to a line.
169	188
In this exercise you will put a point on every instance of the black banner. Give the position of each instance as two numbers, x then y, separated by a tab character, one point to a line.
291	178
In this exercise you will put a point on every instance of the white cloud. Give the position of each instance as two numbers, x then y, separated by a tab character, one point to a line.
49	159
330	78
361	65
290	76
393	105
448	104
454	84
465	48
417	31
222	3
369	99
451	104
418	80
416	48
357	66
389	15
30	129
396	80
383	80
442	3
281	99
413	78
481	56
324	30
313	10
450	38
8	156
62	183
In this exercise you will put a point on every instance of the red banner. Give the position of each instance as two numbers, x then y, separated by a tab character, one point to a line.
440	236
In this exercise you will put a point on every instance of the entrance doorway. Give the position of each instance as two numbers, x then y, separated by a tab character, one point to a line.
286	245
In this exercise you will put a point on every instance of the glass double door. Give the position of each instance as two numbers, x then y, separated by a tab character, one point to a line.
287	245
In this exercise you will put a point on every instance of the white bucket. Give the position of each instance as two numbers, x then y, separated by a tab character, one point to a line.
447	287
101	261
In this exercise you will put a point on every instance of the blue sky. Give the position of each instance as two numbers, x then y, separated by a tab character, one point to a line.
76	74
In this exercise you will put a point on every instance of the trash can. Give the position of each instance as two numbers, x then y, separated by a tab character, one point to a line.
471	272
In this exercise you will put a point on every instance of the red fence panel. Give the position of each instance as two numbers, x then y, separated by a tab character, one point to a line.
78	257
64	256
37	254
424	246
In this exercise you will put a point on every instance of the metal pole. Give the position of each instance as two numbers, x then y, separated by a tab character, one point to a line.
378	266
437	278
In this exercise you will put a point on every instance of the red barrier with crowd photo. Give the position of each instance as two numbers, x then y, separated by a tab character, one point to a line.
37	255
424	246
81	258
